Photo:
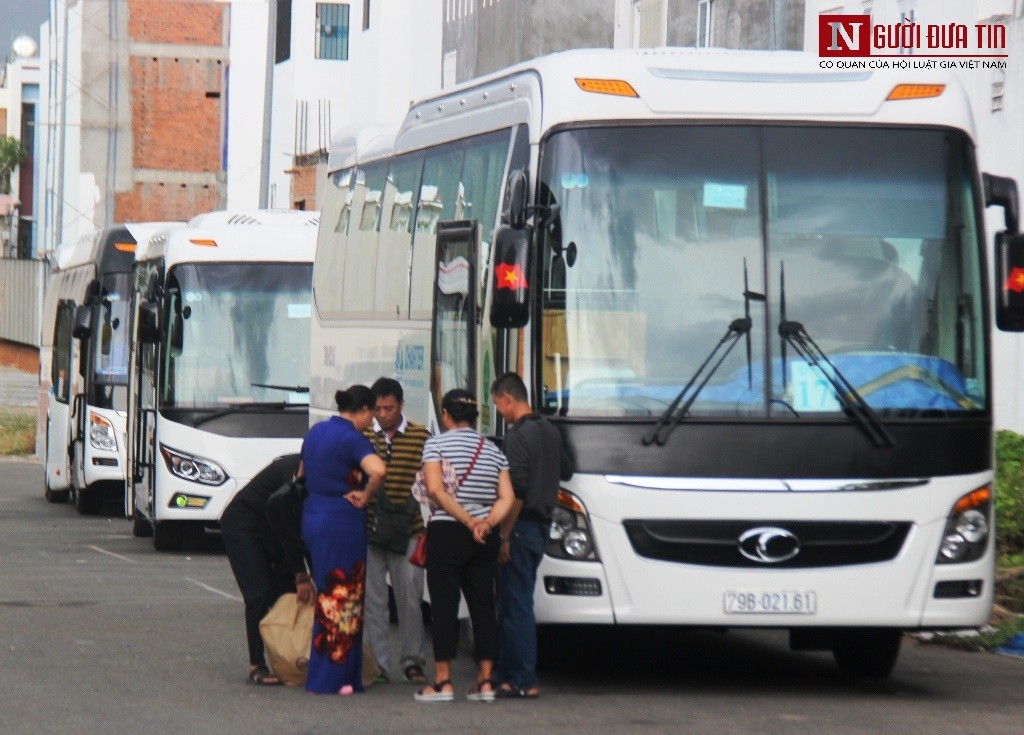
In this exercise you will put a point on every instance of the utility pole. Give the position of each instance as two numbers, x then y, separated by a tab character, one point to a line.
268	99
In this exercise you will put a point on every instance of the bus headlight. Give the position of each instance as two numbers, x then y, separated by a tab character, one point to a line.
571	536
193	469
101	433
967	528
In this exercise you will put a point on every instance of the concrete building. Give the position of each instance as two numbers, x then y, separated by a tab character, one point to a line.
134	115
339	64
481	36
19	104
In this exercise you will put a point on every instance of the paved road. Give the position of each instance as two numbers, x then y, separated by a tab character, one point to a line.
101	634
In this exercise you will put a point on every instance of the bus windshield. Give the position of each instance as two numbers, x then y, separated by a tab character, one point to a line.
662	236
237	333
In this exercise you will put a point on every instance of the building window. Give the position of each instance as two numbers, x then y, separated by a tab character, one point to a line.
704	26
283	45
332	31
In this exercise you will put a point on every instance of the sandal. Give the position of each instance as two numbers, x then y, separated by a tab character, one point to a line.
508	691
477	694
414	674
261	676
434	693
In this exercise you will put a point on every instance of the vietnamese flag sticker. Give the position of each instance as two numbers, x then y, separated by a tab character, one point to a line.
513	278
1015	281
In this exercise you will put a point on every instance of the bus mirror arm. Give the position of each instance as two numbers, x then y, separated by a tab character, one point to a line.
1001	191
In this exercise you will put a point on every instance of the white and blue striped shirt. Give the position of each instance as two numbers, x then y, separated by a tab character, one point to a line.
479	489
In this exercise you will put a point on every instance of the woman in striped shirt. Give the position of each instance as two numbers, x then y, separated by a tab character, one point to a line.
462	552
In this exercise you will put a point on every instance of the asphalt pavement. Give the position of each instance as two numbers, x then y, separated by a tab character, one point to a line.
99	633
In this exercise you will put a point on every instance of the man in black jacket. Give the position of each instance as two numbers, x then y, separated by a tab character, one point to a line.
264	567
537	460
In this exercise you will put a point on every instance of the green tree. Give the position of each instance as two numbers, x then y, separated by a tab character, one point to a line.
12	155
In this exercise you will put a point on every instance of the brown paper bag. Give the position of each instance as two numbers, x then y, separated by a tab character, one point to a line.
287	633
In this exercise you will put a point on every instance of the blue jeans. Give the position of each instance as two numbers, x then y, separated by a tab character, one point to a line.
517	657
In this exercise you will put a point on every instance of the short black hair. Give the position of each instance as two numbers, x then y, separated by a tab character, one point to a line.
385	387
511	385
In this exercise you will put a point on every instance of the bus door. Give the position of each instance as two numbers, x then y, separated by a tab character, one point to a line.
142	402
454	327
59	402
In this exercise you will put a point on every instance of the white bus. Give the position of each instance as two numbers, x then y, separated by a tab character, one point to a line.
83	376
219	363
752	296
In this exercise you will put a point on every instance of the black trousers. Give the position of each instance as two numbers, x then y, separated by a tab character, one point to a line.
456	562
259	584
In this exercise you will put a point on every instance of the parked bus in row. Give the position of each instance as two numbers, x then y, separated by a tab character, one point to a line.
219	363
751	294
84	367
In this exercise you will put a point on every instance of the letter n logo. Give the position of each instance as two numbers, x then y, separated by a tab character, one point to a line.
844	35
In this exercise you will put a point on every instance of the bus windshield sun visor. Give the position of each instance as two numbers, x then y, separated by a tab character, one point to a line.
253	406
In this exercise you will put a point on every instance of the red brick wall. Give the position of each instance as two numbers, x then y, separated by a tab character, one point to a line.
22	357
151	202
176	126
176	21
177	109
304	187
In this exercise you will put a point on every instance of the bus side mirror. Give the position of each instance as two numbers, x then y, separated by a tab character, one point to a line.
1010	282
83	322
510	290
1001	191
518	191
149	322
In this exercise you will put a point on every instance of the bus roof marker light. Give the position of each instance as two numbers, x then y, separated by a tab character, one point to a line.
616	87
125	247
915	91
203	243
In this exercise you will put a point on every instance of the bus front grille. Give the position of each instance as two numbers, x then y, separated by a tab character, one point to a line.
774	544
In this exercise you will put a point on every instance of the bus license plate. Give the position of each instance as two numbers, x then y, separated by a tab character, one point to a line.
739	602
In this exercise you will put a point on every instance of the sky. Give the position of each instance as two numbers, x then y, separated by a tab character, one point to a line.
19	17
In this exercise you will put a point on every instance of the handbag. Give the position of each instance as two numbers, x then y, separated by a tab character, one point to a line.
418	557
287	631
392	522
451	481
284	513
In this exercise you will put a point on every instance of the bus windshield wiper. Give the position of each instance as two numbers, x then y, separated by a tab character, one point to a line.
241	407
674	414
274	386
795	335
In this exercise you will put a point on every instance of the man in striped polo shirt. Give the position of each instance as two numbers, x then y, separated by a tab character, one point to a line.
395	523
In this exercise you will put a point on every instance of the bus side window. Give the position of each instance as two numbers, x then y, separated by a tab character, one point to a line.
331	245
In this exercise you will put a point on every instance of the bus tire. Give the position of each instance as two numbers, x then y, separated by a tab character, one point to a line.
867	653
55	496
141	527
89	501
167	536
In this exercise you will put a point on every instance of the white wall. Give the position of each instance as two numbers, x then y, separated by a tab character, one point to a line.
80	196
396	60
247	53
